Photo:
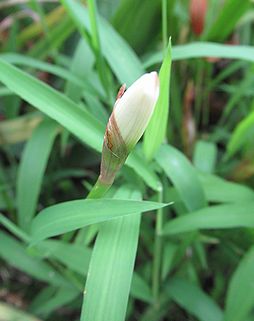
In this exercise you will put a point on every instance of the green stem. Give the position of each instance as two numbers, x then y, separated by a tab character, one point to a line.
158	247
99	189
164	26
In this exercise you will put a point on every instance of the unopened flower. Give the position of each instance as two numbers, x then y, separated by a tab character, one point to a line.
132	111
198	9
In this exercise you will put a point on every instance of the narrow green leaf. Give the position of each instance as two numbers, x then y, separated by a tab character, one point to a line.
74	79
204	49
240	296
31	170
156	130
183	176
204	158
60	298
140	289
58	34
111	267
221	216
137	162
194	300
119	55
243	132
226	21
10	226
219	190
69	216
75	256
16	255
41	298
53	104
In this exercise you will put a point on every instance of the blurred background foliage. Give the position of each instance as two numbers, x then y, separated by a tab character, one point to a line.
195	259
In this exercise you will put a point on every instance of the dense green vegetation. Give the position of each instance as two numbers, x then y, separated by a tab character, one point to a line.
190	255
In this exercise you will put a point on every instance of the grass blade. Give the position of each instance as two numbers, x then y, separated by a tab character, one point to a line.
53	104
194	300
226	21
183	175
205	155
238	304
241	134
221	191
68	216
31	170
204	49
16	255
221	216
156	130
75	80
119	55
111	267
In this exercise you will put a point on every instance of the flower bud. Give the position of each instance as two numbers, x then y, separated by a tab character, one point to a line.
198	9
127	123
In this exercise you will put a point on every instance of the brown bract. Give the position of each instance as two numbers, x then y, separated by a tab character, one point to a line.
114	152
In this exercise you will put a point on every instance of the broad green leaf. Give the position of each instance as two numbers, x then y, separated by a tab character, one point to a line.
205	154
9	313
240	296
219	190
194	300
14	253
60	108
183	176
156	130
214	217
244	131
228	16
69	216
204	49
119	55
111	267
32	168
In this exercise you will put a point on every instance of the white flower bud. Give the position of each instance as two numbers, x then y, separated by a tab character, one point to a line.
134	109
127	123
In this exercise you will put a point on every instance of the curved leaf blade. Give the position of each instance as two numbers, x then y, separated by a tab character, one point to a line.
69	216
183	175
240	296
31	170
221	216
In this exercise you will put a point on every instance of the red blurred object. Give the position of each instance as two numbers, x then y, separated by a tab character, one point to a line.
197	12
